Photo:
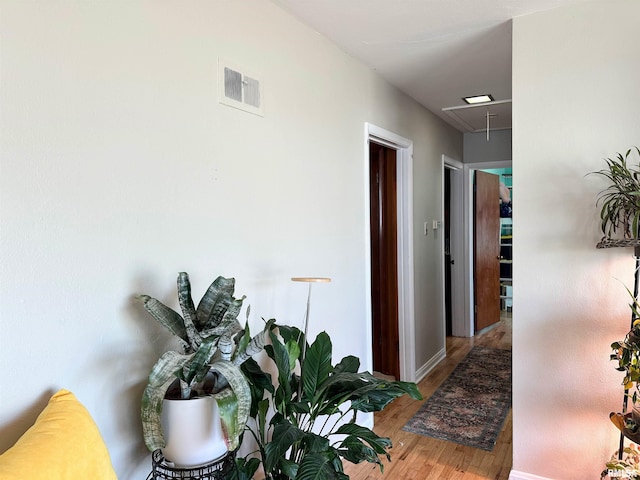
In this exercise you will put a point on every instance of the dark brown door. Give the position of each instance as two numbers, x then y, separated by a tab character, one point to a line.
486	249
448	259
384	263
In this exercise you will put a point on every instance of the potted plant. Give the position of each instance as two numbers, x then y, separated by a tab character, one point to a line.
626	465
306	425
620	201
620	222
203	379
626	353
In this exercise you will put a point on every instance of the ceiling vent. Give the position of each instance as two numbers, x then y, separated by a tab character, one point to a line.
240	89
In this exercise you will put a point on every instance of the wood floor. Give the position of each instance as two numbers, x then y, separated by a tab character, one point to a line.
415	457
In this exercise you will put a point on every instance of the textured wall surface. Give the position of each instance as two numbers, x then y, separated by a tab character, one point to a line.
119	168
570	302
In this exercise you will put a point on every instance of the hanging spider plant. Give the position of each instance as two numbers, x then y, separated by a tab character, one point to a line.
620	201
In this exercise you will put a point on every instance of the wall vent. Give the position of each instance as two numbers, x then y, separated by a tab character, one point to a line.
240	89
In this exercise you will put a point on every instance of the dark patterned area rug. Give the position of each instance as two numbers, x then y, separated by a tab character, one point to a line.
472	403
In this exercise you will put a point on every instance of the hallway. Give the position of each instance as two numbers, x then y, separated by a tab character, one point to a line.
415	457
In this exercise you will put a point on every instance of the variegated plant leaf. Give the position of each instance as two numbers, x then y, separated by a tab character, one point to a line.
167	366
188	310
226	342
234	417
228	411
199	365
230	317
167	317
242	341
230	324
225	345
255	346
160	379
215	303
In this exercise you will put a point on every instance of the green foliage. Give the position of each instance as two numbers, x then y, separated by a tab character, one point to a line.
312	427
625	466
246	468
627	355
212	340
620	201
626	352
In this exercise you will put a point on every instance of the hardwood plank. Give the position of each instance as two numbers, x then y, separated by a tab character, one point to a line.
415	457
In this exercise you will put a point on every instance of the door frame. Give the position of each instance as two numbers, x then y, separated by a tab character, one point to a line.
406	305
456	246
467	325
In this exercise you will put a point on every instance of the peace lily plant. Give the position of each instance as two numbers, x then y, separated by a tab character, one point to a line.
306	418
212	340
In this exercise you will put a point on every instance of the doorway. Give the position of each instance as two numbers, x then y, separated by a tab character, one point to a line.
463	323
384	259
449	261
404	207
453	246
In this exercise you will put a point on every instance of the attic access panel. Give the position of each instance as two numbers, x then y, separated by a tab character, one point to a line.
473	118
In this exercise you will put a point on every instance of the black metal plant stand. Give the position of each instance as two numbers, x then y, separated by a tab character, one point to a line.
219	469
635	243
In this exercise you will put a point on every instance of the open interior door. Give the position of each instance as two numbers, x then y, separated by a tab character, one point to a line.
384	262
486	266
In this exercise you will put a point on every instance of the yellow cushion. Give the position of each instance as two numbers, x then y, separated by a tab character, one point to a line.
64	443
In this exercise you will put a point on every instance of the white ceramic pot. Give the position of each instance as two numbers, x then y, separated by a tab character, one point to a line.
192	431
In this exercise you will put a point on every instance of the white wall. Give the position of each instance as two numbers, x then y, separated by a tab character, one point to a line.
570	298
120	169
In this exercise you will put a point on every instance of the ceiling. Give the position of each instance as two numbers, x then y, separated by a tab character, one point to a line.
436	51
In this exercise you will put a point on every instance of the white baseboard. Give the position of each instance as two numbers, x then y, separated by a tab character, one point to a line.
424	370
516	475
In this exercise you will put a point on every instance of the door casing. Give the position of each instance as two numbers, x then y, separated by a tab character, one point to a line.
457	247
406	312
